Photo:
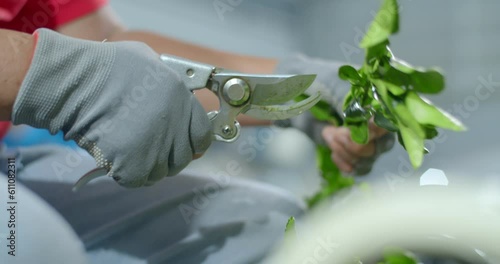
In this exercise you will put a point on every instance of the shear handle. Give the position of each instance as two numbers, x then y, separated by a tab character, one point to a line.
194	75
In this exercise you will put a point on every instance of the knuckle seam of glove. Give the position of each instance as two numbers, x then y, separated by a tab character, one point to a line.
96	153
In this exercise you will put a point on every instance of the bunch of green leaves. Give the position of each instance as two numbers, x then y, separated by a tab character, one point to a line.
332	177
388	90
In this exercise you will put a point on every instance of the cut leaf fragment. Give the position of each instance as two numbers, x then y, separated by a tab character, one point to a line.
290	225
322	111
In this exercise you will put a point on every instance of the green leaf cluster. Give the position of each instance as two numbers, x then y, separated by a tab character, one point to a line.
333	180
332	177
388	90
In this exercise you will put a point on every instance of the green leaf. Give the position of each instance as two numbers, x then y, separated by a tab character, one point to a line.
382	92
396	81
348	99
333	179
384	122
325	164
398	256
431	81
322	111
359	132
394	89
414	145
348	73
386	22
430	132
290	233
407	118
402	66
290	226
421	80
354	113
377	52
329	171
428	114
400	139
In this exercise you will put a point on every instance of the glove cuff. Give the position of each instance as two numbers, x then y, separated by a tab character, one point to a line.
382	145
64	74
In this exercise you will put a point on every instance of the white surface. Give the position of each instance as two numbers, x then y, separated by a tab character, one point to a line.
451	221
434	177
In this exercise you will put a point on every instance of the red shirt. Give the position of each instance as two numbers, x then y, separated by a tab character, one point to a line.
29	15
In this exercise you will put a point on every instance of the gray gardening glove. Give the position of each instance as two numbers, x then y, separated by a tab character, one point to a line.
118	101
333	90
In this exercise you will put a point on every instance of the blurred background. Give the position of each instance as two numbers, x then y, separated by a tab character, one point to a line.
460	37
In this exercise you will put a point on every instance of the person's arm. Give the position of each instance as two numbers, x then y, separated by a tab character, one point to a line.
16	50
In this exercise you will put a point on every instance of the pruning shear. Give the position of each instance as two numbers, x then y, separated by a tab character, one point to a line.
258	96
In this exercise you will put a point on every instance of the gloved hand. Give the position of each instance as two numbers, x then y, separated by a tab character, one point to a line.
349	156
118	101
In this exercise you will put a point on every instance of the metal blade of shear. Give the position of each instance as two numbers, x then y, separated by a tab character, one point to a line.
280	112
278	89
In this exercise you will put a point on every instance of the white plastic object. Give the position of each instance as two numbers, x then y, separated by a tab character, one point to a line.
453	221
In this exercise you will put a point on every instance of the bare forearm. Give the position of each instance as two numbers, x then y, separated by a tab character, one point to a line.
163	44
16	50
103	24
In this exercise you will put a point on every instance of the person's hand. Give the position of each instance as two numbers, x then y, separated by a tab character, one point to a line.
116	100
350	156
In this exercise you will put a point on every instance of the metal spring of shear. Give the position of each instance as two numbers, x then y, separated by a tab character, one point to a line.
258	96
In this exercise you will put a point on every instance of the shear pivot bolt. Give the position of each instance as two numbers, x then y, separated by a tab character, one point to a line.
227	130
236	91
